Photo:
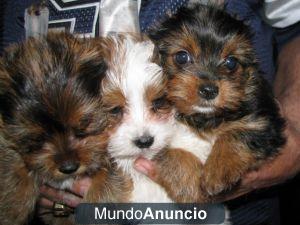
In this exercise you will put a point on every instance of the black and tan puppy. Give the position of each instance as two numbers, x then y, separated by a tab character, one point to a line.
53	127
218	92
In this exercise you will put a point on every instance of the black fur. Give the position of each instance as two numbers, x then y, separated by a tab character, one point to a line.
244	116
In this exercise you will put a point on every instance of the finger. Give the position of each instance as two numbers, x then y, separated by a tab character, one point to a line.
71	200
45	203
146	167
44	211
80	187
237	194
50	193
268	175
230	196
56	195
250	179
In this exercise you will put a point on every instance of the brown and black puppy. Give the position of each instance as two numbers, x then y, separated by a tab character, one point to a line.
54	127
219	93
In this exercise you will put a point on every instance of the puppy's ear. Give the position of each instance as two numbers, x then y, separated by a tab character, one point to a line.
156	57
91	74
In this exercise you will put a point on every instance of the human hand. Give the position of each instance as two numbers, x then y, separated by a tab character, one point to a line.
70	198
285	166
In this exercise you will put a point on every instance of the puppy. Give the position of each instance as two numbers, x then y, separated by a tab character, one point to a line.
53	128
220	96
140	117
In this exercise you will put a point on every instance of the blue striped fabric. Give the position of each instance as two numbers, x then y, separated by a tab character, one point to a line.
84	17
77	16
155	11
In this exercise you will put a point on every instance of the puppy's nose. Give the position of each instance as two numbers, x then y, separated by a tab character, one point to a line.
144	141
69	167
208	91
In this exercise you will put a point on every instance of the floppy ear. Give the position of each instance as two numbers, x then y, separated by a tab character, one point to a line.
91	74
156	57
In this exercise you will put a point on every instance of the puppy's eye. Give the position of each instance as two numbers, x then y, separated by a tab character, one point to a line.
78	133
160	103
182	57
33	143
231	63
116	110
85	121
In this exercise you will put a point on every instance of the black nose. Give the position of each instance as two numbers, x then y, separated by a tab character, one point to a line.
144	141
208	91
69	167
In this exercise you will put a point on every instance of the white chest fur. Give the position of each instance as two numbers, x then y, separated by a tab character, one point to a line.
144	189
147	191
184	138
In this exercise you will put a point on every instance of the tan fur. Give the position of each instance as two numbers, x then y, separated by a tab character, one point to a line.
182	90
179	172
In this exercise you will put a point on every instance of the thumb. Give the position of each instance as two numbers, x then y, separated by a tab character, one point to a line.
146	167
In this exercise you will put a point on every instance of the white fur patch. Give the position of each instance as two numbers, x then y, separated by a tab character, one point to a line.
147	191
203	109
66	184
185	138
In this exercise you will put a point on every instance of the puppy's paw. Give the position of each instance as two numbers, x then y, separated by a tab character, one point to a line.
216	181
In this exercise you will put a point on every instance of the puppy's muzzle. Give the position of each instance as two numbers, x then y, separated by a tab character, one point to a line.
208	91
69	167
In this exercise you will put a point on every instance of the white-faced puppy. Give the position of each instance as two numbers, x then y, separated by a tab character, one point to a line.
141	118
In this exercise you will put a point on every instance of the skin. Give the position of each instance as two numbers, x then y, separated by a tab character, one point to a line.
282	168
